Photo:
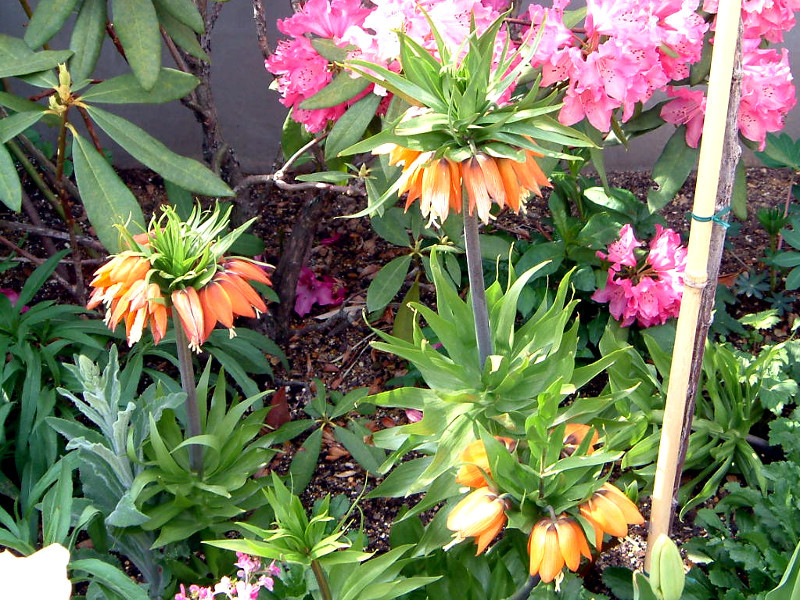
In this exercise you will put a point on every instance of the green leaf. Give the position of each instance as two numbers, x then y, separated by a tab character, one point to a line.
136	24
672	168
400	480
126	89
181	199
87	38
10	186
403	326
334	177
47	19
369	457
739	195
328	49
392	226
184	11
387	282
351	125
305	462
13	125
781	151
16	58
111	577
106	199
185	172
181	35
342	88
789	586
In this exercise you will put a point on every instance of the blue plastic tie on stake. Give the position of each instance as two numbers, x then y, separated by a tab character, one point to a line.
717	218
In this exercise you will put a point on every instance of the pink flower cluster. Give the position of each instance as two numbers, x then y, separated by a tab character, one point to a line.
247	584
630	50
767	90
301	71
648	289
626	51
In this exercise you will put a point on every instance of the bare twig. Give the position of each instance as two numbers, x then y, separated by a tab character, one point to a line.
117	44
189	101
260	17
39	229
278	178
37	261
90	128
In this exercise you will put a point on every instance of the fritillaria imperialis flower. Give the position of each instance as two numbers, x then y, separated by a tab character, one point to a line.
476	463
178	268
554	543
610	511
650	290
574	434
437	182
482	515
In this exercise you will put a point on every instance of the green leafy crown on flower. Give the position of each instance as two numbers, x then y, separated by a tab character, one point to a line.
456	101
185	253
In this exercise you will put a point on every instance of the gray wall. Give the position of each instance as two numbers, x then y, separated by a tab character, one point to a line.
250	114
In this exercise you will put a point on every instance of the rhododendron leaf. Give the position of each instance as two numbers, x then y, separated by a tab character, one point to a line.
185	172
392	226
48	18
10	186
700	70
181	34
87	38
671	170
342	88
351	125
330	50
16	58
387	283
136	24
108	202
184	11
126	89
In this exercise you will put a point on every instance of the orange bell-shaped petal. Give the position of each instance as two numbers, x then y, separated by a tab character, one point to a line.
190	312
480	515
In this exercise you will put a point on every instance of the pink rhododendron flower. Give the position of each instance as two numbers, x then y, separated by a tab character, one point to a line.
767	91
632	49
763	18
310	291
324	18
688	108
647	290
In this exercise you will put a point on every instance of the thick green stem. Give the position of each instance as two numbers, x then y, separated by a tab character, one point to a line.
322	580
188	384
477	289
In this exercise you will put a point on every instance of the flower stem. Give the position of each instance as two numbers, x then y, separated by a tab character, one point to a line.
322	580
188	385
476	285
525	591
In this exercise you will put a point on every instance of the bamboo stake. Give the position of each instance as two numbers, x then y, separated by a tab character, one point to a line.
696	275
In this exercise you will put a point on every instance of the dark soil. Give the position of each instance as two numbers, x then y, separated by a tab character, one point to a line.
332	344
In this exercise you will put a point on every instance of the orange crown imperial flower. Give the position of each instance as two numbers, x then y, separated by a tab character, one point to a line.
179	265
574	434
482	515
437	181
471	474
610	511
555	542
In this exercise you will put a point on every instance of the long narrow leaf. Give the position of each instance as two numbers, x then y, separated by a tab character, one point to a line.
107	200
136	24
185	172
